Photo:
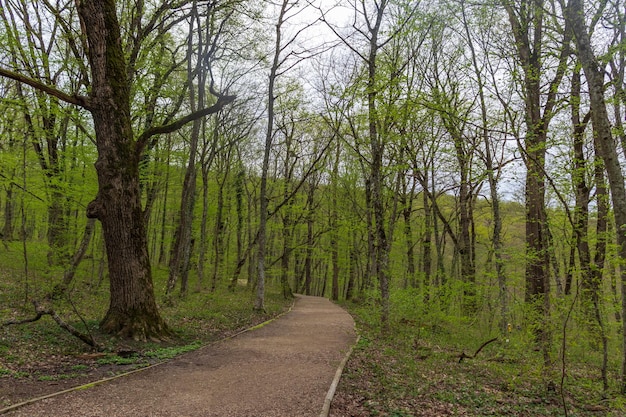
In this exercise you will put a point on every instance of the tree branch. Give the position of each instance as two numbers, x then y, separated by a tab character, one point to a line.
143	139
41	311
463	355
80	101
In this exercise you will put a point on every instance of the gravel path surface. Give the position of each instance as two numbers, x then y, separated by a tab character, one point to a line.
283	369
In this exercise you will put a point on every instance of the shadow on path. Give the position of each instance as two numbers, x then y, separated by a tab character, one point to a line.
283	369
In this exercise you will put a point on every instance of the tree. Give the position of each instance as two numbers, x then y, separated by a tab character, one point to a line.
528	23
47	119
594	74
492	176
372	29
284	57
132	310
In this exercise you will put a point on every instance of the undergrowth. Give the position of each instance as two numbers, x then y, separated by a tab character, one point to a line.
414	368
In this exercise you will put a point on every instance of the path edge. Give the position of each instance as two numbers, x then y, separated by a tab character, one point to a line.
333	386
88	385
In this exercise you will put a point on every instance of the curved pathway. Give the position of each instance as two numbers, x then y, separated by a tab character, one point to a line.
283	369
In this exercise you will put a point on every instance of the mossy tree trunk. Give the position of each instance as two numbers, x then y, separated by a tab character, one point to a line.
132	310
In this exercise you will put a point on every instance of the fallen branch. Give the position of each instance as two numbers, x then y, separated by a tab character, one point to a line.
463	355
23	321
40	311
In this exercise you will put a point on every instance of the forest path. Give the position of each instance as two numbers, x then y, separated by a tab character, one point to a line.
282	369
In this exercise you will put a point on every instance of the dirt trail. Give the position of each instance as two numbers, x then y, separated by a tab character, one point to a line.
282	369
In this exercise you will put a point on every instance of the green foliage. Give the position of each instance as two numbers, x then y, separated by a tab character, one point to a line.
170	352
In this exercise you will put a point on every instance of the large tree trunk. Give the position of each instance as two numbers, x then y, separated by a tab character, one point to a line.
132	309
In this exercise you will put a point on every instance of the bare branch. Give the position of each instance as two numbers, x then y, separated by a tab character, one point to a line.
222	101
80	101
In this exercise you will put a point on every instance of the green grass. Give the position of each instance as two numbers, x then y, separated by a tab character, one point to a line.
165	353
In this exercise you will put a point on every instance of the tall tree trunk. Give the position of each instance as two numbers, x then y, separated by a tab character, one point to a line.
132	309
181	250
381	253
496	238
334	222
594	74
597	267
528	31
259	302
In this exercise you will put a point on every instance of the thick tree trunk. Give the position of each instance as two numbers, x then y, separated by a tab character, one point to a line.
132	309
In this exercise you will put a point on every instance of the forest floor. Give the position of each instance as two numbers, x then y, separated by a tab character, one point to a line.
428	369
283	368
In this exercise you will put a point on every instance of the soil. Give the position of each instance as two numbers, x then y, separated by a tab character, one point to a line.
284	368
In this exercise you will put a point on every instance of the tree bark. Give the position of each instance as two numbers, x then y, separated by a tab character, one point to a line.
132	310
